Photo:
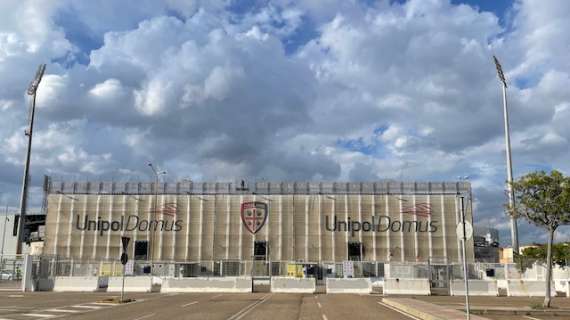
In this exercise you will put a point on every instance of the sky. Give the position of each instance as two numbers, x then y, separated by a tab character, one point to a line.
328	90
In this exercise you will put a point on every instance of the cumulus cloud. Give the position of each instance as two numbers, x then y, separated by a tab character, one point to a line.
285	90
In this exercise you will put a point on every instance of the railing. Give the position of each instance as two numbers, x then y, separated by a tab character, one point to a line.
50	266
11	268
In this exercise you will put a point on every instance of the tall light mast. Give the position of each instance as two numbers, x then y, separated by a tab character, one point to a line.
510	191
32	90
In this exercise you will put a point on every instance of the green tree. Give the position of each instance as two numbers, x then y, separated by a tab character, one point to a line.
544	200
560	254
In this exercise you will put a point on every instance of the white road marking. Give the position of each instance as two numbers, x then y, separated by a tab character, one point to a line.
39	315
399	311
240	314
189	304
531	318
88	307
319	304
218	295
103	303
15	296
62	310
325	317
145	316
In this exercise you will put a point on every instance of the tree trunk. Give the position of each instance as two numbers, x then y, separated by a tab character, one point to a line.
546	303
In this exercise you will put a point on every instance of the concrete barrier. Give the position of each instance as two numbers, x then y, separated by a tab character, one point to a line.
293	285
80	284
528	288
45	284
407	286
224	284
562	287
134	284
27	279
476	288
349	285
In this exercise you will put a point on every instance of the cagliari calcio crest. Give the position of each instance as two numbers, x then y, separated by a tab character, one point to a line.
254	215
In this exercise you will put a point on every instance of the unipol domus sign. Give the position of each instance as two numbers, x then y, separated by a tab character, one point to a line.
412	221
254	215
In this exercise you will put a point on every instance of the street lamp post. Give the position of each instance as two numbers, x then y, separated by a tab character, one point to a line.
32	90
510	192
4	236
157	175
463	248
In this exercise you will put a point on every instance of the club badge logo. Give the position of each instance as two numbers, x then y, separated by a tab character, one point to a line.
254	215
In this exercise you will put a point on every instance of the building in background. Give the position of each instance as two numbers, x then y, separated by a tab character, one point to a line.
486	242
33	232
506	255
7	238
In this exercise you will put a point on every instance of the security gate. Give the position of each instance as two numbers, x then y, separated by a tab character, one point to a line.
439	280
260	276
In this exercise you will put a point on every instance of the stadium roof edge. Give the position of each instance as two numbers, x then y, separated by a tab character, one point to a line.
256	188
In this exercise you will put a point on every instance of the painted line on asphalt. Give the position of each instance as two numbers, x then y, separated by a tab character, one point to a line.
531	318
39	315
62	310
145	316
325	317
399	311
218	295
240	314
319	304
106	304
15	296
87	307
189	304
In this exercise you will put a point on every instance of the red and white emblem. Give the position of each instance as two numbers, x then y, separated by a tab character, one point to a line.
253	215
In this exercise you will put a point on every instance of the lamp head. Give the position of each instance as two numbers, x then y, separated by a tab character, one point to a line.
500	71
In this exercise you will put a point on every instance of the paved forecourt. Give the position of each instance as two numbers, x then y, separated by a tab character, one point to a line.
231	306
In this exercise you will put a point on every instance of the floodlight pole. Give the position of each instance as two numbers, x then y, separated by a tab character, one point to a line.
510	191
32	90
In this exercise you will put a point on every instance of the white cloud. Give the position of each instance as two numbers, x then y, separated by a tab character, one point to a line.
108	89
388	90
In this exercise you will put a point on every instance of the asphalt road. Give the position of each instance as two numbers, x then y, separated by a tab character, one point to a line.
520	303
83	306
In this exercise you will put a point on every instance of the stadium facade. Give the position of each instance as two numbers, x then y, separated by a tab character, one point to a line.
307	222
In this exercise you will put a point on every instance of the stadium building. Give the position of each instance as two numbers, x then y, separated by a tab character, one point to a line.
302	222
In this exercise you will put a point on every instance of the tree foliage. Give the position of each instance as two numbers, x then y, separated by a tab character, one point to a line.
560	254
543	199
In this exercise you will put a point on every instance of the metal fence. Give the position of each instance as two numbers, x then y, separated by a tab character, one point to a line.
11	270
49	267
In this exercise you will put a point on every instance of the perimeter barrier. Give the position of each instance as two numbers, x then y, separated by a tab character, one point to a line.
486	279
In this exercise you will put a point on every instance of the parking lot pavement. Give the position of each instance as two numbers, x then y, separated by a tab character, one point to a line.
514	302
44	305
520	303
519	317
85	306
